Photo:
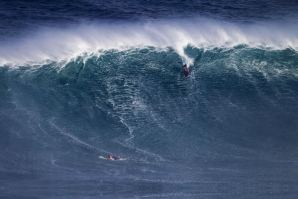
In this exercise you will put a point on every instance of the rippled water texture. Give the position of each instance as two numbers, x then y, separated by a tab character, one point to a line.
84	79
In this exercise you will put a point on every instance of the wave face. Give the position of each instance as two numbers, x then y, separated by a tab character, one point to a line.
237	108
84	79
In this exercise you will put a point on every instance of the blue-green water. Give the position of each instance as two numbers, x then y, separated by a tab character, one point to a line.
84	79
229	128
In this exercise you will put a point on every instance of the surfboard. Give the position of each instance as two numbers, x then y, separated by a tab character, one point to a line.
186	72
103	158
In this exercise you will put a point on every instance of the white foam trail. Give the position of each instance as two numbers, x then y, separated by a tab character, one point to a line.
62	44
75	139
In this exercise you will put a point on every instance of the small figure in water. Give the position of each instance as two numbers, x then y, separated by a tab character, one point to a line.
114	157
184	66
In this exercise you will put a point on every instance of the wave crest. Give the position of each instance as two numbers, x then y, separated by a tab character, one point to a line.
61	44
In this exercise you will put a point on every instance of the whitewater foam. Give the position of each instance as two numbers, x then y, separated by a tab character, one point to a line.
64	44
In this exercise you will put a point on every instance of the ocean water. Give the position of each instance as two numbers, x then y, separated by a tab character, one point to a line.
83	79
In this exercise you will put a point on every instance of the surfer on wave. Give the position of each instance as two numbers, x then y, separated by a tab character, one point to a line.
184	66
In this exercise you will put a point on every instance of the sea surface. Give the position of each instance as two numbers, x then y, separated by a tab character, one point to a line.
82	79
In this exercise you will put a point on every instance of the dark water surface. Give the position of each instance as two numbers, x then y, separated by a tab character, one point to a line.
83	79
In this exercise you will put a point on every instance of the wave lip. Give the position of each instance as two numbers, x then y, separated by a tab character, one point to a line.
62	44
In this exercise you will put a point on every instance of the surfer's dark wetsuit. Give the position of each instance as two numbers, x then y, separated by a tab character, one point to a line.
184	66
